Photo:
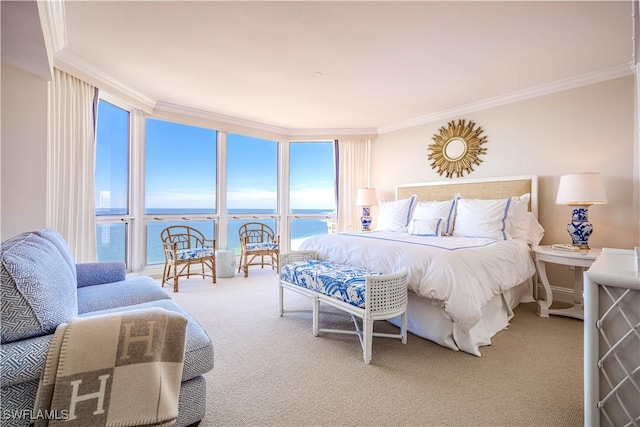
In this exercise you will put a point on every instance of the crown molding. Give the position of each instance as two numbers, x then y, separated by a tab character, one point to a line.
560	86
72	64
57	23
335	132
207	115
69	62
235	121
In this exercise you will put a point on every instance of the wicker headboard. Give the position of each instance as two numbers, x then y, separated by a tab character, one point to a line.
489	188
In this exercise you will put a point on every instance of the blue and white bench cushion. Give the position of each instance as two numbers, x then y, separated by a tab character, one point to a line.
363	294
339	281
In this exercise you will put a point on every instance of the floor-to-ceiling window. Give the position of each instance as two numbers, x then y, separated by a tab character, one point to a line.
153	173
252	184
180	181
112	182
312	194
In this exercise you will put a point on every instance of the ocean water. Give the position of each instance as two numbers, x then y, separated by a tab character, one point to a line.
111	239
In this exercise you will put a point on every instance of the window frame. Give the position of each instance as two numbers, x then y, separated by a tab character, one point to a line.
128	218
288	215
136	221
146	219
226	217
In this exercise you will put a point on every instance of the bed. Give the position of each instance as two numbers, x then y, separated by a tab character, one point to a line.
466	245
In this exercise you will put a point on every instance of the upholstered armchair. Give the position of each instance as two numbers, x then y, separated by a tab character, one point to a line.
42	288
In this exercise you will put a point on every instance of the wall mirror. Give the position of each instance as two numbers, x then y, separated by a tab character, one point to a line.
456	148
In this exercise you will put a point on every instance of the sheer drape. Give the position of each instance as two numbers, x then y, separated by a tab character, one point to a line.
70	164
353	173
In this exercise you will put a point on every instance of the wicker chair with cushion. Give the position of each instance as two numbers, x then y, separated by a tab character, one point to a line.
259	245
185	246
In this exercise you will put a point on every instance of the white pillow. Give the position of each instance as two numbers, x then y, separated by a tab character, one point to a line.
394	215
535	232
518	219
444	210
427	227
483	218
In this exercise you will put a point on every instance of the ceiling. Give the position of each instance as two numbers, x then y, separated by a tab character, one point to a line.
344	64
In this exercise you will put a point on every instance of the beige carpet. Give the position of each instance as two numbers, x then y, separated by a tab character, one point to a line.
270	370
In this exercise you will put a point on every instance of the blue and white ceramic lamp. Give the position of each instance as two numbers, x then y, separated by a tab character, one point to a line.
366	198
580	191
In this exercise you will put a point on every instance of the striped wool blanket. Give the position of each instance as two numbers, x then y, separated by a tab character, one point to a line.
120	369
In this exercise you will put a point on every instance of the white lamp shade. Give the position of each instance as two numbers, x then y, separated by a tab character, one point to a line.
367	197
581	189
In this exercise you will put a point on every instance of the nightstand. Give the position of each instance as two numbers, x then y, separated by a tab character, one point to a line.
580	260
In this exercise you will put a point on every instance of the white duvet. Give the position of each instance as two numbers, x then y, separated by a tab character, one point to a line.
458	273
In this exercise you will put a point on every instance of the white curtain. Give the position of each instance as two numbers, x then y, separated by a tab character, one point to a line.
70	164
353	173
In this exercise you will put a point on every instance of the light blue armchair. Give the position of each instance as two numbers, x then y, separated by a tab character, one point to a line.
42	288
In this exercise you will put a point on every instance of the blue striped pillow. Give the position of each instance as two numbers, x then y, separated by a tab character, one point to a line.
395	215
483	218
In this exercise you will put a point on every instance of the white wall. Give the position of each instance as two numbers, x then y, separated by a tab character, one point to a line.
23	152
589	129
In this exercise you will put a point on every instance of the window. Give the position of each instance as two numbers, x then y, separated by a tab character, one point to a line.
171	177
312	195
252	184
112	182
111	242
180	181
252	175
180	168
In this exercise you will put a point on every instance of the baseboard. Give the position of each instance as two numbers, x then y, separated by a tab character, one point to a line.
560	294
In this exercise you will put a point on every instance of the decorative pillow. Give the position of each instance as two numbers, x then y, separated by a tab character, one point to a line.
483	218
444	210
427	227
394	215
38	290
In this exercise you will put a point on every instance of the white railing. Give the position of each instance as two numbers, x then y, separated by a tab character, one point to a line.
612	340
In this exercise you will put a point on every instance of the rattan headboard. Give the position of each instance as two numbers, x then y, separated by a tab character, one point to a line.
490	188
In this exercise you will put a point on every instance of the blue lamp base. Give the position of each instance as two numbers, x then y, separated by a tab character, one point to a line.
579	228
365	219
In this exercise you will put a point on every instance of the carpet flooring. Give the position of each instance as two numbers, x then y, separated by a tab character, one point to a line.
270	370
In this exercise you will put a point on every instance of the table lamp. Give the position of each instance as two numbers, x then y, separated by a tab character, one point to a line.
580	191
366	198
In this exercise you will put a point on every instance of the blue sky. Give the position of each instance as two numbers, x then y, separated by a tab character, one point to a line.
181	167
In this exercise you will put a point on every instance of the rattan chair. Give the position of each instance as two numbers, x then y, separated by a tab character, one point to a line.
185	247
259	245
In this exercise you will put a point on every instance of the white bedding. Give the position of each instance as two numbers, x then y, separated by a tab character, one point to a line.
459	274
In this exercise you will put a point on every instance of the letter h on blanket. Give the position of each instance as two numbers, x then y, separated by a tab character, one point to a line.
98	365
367	295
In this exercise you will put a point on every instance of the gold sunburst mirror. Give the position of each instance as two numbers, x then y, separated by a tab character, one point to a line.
456	148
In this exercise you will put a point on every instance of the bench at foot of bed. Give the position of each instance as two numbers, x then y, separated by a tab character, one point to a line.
363	294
